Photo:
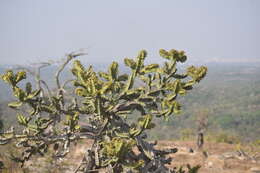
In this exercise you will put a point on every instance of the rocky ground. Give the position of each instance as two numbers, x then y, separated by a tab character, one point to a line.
214	158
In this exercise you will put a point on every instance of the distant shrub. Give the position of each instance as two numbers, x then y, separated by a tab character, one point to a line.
223	137
187	134
257	142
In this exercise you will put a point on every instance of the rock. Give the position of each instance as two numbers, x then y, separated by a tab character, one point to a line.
191	150
255	169
214	161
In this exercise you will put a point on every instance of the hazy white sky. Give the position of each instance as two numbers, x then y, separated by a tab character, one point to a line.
32	31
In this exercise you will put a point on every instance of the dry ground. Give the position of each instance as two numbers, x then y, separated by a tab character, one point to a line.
221	158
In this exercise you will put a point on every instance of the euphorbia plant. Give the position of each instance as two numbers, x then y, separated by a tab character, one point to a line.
105	99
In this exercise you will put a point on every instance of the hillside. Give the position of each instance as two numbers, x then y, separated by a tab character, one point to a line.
230	94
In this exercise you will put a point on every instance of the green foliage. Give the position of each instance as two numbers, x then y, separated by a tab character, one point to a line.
190	169
223	137
257	143
106	99
187	134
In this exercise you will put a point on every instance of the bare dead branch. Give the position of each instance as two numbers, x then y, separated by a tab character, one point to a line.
47	88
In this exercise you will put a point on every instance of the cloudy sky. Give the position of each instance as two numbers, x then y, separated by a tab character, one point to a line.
208	30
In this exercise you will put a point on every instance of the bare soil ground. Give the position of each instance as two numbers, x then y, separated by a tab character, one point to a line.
214	158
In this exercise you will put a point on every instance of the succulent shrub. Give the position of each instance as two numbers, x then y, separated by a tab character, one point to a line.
105	99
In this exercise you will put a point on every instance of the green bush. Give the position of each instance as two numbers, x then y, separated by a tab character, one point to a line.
105	99
223	137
